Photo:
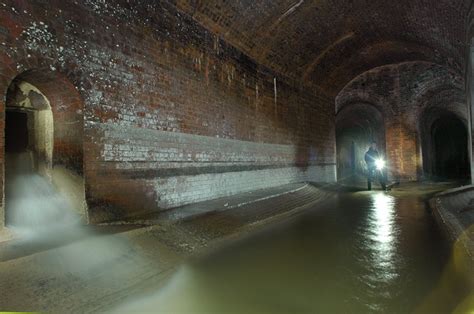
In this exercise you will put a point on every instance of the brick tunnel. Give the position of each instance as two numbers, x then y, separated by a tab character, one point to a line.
145	114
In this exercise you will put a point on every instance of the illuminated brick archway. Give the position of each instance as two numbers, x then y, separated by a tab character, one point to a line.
53	116
357	125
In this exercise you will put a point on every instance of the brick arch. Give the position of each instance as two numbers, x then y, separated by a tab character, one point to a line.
379	103
357	125
432	116
355	105
361	57
430	104
68	124
346	42
402	91
369	86
67	103
67	107
439	105
375	84
444	97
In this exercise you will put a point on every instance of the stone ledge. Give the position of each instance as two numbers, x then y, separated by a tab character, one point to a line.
264	198
454	212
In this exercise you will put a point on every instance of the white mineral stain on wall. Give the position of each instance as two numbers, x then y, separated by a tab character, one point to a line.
38	37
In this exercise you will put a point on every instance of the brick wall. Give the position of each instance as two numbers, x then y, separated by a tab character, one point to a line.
169	113
328	43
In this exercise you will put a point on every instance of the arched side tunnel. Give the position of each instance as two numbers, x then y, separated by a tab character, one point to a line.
357	125
444	144
412	96
28	128
44	135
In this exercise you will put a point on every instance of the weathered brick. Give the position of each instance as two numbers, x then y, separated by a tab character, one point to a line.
156	111
405	94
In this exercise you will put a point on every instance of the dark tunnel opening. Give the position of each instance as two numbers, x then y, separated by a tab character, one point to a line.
451	156
357	126
16	131
18	158
28	150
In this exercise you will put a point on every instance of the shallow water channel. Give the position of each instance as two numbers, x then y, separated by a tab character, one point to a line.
357	252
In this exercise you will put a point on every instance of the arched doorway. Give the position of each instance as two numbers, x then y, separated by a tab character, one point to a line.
451	156
43	143
357	125
445	146
28	150
28	130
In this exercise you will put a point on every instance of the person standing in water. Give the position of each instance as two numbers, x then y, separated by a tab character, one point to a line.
371	157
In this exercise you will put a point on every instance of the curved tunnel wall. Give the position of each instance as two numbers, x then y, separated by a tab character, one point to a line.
328	43
172	115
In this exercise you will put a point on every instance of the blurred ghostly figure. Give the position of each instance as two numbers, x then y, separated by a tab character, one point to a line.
32	204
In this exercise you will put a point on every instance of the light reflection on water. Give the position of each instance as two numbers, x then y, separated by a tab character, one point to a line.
379	240
357	253
382	220
383	232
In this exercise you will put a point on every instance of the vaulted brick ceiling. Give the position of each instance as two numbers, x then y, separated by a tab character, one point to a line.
329	42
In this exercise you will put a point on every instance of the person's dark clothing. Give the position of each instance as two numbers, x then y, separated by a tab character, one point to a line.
370	157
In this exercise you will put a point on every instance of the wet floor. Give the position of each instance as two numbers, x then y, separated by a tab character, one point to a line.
363	252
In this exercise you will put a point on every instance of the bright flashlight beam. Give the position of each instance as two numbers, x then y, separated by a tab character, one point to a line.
380	164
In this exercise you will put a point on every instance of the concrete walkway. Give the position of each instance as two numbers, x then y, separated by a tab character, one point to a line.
454	210
187	212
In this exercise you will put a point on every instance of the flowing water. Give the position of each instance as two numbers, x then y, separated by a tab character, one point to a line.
356	253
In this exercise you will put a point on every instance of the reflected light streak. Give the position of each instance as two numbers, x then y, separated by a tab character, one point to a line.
382	229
